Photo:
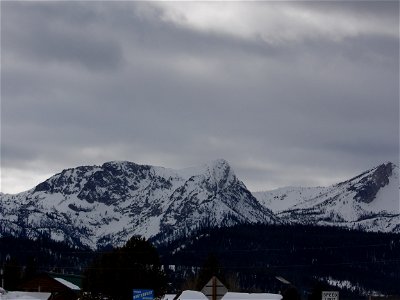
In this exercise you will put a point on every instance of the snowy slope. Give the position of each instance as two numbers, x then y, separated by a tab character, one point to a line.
284	198
98	205
369	201
214	197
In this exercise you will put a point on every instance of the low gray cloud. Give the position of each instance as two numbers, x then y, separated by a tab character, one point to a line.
58	33
157	83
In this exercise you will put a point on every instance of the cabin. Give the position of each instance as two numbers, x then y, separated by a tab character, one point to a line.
60	286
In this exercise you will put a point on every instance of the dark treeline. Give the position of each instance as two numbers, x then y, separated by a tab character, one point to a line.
115	274
246	257
305	255
111	273
22	258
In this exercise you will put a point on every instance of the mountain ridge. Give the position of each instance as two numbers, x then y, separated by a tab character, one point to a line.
369	201
100	205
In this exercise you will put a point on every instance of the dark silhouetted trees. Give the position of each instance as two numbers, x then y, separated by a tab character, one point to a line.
117	273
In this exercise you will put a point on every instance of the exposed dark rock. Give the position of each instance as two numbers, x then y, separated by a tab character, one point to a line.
368	187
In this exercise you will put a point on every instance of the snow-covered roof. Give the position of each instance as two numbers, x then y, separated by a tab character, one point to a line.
251	296
192	295
25	296
168	297
68	284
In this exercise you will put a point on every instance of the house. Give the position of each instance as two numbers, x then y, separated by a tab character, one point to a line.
60	286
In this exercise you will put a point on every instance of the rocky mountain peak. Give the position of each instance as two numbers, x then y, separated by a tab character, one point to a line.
369	201
66	182
99	205
220	173
369	183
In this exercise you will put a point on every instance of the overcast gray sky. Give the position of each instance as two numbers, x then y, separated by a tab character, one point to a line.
290	93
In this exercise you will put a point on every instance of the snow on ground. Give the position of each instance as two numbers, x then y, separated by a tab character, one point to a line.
194	295
25	296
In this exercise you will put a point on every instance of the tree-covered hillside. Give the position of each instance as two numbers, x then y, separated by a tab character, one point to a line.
22	258
246	257
307	256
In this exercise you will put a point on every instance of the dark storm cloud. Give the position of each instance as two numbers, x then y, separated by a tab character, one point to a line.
85	82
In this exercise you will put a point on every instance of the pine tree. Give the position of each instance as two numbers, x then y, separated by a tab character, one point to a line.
12	274
211	267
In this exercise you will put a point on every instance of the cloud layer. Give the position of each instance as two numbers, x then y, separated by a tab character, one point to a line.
291	93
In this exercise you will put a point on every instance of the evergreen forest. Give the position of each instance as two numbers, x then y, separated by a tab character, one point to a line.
297	261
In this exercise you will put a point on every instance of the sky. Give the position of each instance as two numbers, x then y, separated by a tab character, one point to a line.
290	93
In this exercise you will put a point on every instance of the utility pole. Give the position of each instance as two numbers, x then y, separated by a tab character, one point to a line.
2	278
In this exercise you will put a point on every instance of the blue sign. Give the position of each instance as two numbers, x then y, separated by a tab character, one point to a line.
143	294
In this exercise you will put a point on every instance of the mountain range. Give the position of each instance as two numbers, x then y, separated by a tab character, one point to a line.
369	201
104	205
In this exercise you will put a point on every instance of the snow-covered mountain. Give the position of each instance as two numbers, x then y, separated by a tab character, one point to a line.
100	205
369	202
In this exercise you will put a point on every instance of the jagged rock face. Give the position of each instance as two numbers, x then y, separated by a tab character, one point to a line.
67	182
368	202
368	186
115	181
97	205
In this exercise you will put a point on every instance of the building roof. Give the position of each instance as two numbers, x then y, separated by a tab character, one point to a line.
168	297
68	284
191	295
251	296
52	283
67	279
